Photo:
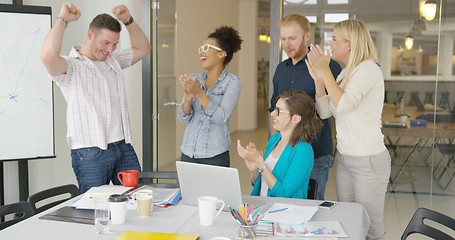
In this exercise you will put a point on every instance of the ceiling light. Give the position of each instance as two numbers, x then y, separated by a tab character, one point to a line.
262	36
268	39
165	45
428	9
408	41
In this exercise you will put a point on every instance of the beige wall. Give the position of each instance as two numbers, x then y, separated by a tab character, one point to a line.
196	19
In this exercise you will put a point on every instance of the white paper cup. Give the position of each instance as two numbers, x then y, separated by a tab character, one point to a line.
207	209
117	204
404	119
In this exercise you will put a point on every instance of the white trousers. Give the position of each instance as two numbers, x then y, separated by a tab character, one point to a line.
364	180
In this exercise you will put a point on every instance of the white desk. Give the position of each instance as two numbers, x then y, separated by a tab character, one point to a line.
179	219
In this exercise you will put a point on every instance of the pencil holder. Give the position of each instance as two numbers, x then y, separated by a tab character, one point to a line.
246	232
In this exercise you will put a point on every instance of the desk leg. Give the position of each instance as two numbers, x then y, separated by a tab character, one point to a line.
2	189
23	180
407	159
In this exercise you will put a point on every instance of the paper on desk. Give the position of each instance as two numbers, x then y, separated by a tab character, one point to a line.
294	214
311	229
106	190
103	192
160	195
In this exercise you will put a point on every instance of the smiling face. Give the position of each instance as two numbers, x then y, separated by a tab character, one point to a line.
212	57
102	43
340	48
281	122
294	41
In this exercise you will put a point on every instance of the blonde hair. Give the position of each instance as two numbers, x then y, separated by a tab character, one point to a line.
296	18
362	46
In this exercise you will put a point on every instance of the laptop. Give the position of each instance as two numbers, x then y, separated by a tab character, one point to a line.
207	180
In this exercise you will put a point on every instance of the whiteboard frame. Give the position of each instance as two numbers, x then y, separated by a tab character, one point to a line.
7	8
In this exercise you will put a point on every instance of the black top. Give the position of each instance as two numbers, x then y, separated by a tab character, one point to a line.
288	76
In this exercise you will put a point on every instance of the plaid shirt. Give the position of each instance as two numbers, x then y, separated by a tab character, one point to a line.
87	95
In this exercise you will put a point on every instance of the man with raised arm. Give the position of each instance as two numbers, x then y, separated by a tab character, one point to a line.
92	82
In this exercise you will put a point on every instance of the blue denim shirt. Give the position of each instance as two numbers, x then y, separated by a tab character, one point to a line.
207	133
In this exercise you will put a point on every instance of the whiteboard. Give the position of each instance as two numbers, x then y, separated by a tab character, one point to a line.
26	93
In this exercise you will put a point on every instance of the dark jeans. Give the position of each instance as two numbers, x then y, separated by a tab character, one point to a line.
320	173
218	160
95	167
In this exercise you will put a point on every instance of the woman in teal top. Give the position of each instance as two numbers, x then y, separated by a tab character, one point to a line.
284	170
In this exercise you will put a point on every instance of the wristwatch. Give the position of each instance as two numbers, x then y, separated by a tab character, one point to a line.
260	169
129	21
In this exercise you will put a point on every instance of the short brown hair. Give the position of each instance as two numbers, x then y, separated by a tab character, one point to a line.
300	103
296	18
105	21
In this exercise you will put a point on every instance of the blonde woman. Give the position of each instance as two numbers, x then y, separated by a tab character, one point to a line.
355	99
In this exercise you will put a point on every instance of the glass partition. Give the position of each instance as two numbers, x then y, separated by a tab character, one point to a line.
423	153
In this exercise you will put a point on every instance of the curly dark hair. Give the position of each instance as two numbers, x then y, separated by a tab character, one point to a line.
229	40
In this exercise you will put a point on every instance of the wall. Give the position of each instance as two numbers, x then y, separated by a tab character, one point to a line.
53	172
196	19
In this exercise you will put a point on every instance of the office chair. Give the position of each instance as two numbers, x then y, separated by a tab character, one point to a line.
312	189
416	224
21	211
52	192
150	176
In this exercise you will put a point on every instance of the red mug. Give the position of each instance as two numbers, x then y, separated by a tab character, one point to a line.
129	178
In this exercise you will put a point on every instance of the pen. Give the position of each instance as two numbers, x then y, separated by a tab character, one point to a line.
317	230
259	209
278	210
99	197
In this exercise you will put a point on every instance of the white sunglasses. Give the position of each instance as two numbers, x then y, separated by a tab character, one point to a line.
205	48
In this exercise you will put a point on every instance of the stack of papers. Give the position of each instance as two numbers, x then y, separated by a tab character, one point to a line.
162	197
289	214
312	229
87	201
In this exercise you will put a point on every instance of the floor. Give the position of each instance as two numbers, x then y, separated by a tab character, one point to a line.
410	191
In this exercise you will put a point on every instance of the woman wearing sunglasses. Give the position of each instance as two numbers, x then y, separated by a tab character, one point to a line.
285	167
356	100
208	100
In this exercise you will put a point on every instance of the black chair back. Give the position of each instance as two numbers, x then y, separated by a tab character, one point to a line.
148	178
21	211
312	189
416	224
70	189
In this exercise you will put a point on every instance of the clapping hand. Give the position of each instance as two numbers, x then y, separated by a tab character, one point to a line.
253	157
190	86
122	13
69	12
317	62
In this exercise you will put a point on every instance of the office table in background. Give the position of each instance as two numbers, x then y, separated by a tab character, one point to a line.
180	218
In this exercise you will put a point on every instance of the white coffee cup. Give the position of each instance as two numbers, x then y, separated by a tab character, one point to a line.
404	119
207	209
144	202
117	204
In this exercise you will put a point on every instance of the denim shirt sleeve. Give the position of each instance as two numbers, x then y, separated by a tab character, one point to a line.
222	112
183	118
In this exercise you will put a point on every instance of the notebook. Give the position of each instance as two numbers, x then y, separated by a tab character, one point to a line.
135	235
207	180
71	214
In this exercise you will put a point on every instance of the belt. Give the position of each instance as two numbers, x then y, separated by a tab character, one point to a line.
115	143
